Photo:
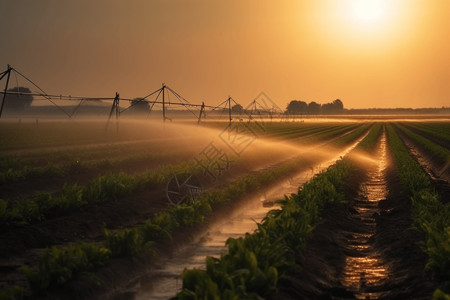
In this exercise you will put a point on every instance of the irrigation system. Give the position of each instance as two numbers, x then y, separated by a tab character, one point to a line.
260	105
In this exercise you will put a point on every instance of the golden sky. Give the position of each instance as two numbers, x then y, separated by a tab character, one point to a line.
368	53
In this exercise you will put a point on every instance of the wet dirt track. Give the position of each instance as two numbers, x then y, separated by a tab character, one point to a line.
365	269
365	249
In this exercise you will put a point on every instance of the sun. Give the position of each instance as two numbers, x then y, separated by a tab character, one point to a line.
369	10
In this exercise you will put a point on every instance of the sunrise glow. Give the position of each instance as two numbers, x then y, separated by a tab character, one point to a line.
369	10
365	52
224	149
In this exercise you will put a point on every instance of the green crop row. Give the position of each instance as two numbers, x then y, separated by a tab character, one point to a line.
302	130
328	134
116	152
253	264
62	164
12	293
439	130
437	151
56	266
32	135
10	175
52	134
430	215
351	136
19	212
60	265
277	129
303	133
73	196
44	205
372	137
72	167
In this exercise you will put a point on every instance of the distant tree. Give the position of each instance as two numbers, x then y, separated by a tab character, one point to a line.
334	107
314	108
139	106
237	108
20	100
296	107
338	105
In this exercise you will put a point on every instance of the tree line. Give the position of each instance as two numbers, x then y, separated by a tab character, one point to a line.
297	107
18	99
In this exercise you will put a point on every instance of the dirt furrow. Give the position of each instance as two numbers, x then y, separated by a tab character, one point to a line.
439	174
365	270
364	249
427	135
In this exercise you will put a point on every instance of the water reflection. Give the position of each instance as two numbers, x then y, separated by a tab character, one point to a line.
365	270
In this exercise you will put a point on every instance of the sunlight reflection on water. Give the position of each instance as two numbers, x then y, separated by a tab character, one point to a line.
365	269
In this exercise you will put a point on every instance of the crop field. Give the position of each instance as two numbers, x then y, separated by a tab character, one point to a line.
85	208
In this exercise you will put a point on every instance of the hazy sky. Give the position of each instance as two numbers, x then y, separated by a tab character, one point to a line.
368	53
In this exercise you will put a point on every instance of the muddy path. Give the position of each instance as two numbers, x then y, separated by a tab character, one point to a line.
364	249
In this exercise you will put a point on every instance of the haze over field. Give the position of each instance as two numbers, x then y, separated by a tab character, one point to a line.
368	53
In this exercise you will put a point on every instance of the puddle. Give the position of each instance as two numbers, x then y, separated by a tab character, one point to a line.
365	271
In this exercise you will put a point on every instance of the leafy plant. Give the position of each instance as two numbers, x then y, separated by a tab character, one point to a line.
126	242
253	265
58	266
12	293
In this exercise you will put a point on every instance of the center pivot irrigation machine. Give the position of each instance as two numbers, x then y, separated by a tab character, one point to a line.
164	97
